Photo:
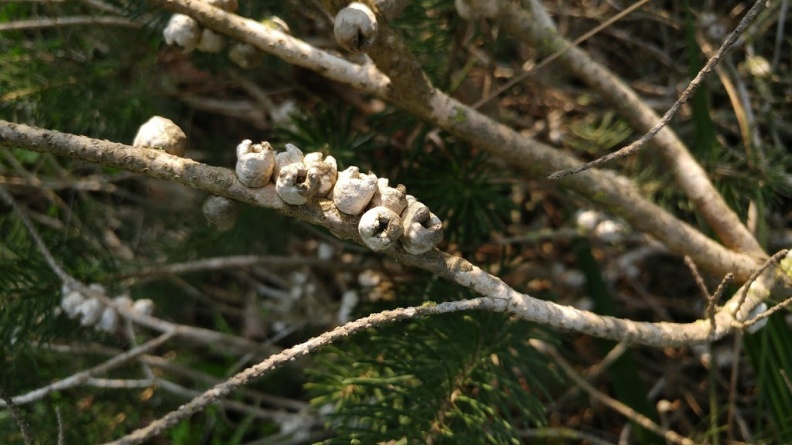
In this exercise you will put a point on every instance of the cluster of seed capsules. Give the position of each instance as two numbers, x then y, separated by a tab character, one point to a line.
387	214
93	312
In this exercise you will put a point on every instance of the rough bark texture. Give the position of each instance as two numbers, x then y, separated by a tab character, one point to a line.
498	295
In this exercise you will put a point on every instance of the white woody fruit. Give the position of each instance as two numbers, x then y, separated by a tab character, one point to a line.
394	198
327	169
221	212
182	31
380	228
108	322
143	306
245	56
89	311
70	302
355	27
210	42
353	191
297	183
123	301
161	133
422	229
255	163
290	156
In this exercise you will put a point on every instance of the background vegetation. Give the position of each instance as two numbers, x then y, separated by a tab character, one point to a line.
466	378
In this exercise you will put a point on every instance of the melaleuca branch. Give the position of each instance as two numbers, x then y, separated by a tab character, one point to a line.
496	295
412	92
83	376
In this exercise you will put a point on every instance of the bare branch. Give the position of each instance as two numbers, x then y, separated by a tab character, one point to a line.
773	260
57	22
713	299
83	376
319	211
231	262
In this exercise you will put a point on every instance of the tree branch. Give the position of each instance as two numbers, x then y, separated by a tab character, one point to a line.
83	376
58	22
519	305
499	296
536	160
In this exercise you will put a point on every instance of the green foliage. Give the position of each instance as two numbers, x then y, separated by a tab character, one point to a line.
428	27
93	83
469	378
331	131
598	137
461	186
29	298
213	428
30	295
771	357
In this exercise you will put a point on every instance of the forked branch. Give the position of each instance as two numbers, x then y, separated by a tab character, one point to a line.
534	159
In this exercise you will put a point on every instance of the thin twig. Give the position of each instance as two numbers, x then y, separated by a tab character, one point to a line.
120	383
261	413
697	276
766	314
83	376
18	417
57	22
614	404
229	262
169	366
773	260
59	418
592	373
735	371
42	247
683	98
591	33
223	389
712	300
